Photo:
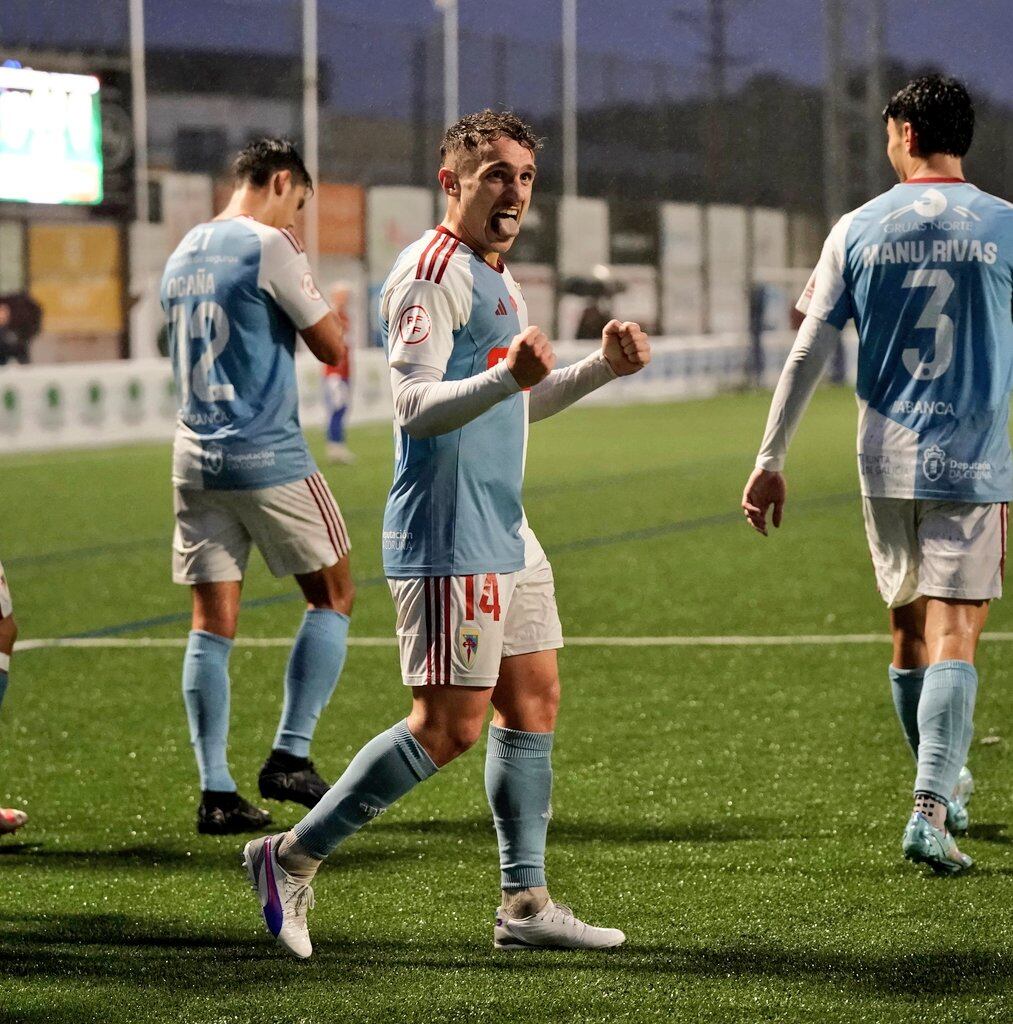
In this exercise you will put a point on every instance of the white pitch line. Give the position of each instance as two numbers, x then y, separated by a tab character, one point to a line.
818	640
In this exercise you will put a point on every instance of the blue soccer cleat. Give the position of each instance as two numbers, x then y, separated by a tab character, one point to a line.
956	806
283	899
923	843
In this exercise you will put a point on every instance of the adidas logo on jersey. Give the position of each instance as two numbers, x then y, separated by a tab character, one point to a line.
501	309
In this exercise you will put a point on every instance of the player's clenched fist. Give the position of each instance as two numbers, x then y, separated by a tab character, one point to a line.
625	346
530	357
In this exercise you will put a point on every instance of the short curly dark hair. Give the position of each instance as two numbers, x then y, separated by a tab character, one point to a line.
472	130
940	112
258	160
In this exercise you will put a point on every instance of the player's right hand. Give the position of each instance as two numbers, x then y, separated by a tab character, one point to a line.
763	489
530	357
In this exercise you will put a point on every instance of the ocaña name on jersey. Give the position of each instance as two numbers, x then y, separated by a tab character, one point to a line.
201	283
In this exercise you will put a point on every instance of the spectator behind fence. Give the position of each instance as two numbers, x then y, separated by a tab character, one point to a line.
20	322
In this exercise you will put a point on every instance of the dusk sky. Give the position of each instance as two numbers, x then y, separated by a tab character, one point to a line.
366	42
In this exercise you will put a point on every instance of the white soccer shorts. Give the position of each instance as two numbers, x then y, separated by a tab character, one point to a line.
6	602
297	527
936	548
456	629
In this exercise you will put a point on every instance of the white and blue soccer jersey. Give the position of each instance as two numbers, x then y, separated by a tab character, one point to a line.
454	507
926	271
235	292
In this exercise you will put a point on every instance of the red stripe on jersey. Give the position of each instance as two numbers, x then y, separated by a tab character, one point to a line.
446	625
425	252
444	242
323	515
446	260
292	239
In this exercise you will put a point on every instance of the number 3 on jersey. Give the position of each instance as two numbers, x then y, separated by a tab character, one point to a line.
208	327
934	319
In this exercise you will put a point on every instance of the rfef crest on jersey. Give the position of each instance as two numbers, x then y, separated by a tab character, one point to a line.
415	325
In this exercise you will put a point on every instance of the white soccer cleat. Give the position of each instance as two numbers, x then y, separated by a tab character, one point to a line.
11	819
553	927
283	899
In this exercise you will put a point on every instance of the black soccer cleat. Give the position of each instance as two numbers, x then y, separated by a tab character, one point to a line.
226	814
286	777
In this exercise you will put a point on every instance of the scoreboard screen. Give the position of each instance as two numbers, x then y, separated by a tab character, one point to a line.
50	137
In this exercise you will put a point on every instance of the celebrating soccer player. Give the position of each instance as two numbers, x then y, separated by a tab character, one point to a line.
235	292
11	819
925	270
476	611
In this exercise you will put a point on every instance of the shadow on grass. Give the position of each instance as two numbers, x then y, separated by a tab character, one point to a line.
725	830
118	948
146	857
990	832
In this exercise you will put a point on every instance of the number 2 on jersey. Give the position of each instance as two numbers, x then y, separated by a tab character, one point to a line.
207	326
934	319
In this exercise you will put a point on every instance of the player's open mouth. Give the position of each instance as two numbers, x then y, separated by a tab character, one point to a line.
505	223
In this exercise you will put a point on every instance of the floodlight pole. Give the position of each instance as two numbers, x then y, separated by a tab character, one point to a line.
833	89
874	98
569	97
311	120
139	107
451	71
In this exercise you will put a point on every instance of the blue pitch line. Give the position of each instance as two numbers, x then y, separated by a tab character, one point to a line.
581	544
78	554
174	617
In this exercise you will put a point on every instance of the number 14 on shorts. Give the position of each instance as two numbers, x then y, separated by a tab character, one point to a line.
488	601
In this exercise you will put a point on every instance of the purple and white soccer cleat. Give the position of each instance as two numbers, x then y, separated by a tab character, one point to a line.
283	899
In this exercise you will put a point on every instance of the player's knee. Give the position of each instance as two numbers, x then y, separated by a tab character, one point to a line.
446	740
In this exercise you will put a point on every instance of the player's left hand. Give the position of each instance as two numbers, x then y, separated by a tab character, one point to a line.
763	489
625	346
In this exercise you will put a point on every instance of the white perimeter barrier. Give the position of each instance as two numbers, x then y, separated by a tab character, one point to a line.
88	405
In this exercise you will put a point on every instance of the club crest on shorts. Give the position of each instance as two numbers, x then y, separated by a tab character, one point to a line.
933	462
467	644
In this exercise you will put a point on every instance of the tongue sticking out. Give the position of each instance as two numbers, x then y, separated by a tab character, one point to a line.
504	226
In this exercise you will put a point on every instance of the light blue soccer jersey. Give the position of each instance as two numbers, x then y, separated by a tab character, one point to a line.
234	293
926	271
454	507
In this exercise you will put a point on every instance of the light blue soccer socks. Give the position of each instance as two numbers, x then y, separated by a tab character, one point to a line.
906	684
945	725
314	666
206	696
518	783
384	770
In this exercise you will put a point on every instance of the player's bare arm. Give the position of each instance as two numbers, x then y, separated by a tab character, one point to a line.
625	347
326	339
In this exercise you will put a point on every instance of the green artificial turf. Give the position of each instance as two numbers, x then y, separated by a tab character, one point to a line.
737	810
